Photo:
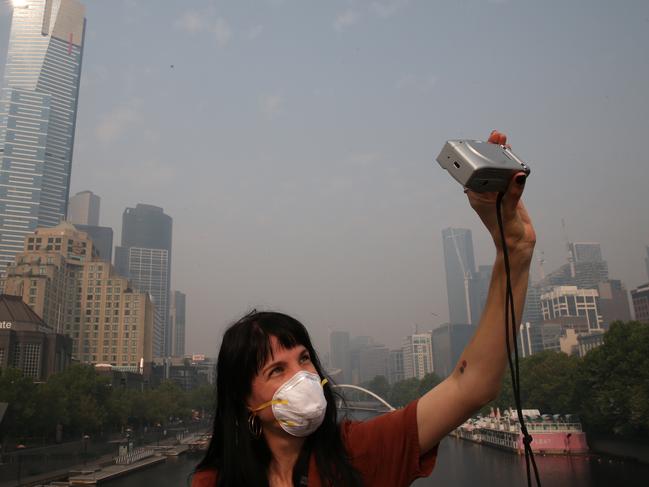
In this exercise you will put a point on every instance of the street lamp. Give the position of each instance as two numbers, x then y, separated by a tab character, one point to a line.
20	460
85	449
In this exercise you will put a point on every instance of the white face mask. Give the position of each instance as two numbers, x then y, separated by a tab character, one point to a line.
299	405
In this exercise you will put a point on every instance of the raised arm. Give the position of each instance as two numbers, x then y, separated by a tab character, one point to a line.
477	377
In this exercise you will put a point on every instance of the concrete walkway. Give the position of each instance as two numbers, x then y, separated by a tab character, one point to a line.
112	471
97	464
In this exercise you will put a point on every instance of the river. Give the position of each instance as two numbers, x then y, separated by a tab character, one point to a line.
460	463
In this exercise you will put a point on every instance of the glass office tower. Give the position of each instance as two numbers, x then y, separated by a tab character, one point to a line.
38	109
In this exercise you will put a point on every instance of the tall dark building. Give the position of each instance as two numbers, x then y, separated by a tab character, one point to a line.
480	290
449	341
460	271
340	354
613	302
646	261
640	299
102	237
586	251
177	323
145	258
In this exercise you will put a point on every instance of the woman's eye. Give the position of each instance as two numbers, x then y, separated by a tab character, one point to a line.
276	370
305	358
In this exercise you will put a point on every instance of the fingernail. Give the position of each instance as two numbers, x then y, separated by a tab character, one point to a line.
521	179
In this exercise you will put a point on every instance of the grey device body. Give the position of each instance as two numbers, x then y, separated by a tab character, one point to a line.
480	166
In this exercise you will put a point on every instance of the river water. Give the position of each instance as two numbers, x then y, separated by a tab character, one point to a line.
460	463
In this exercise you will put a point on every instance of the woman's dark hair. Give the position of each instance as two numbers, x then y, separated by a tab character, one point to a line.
239	458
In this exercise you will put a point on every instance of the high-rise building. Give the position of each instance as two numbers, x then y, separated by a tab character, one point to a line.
479	291
449	341
60	279
102	237
45	273
570	301
417	355
340	354
646	261
640	298
395	366
83	209
459	264
537	337
148	271
613	302
83	213
532	312
38	109
372	361
177	320
584	274
145	258
586	251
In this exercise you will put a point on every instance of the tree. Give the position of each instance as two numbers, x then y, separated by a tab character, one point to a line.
404	392
612	385
21	394
427	383
379	386
203	399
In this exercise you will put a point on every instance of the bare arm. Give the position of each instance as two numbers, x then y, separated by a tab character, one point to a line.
477	377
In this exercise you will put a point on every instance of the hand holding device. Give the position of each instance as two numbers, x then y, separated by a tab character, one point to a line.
481	166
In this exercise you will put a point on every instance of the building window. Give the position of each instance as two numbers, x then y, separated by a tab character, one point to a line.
32	360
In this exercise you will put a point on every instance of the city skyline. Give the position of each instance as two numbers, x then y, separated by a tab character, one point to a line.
307	183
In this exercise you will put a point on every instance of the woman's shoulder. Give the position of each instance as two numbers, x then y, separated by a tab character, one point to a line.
205	478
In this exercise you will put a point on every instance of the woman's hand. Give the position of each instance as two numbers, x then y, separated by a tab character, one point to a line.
519	232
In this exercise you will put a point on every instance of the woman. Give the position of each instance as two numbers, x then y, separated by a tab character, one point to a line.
276	420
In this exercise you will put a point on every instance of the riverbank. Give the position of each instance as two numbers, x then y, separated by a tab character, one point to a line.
104	468
623	449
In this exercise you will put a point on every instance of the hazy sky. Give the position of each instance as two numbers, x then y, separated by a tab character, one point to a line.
293	143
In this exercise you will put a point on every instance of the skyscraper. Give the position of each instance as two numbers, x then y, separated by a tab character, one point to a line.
646	261
417	355
460	270
177	322
83	209
640	299
586	251
449	341
145	258
38	109
83	213
339	354
613	302
102	237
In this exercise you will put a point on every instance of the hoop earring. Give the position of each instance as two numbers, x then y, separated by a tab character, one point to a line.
254	425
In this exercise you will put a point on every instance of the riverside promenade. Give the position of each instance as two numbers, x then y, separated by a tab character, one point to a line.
104	468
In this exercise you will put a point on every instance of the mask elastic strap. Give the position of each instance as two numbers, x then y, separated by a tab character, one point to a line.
269	403
279	401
